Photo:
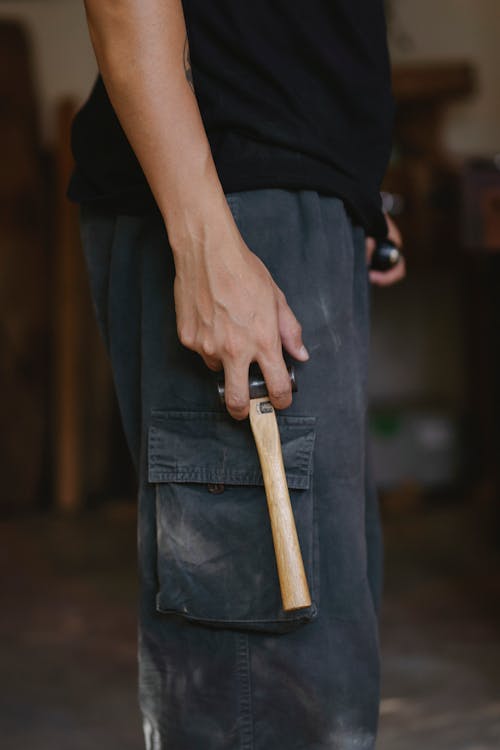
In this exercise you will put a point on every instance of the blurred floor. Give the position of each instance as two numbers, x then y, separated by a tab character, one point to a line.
68	633
441	633
68	630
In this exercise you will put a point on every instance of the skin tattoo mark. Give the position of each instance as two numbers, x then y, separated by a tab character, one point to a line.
187	64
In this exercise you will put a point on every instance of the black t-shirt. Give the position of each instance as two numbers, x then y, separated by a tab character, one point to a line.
293	94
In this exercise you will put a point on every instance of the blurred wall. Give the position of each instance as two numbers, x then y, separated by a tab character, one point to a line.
458	29
418	339
417	331
63	56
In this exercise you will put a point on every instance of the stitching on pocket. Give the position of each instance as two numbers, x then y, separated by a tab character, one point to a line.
209	447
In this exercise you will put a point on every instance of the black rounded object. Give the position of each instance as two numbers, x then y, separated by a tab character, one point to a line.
385	256
256	382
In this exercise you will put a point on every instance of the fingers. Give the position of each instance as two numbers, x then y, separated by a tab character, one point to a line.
237	396
230	348
212	363
279	386
269	356
236	388
370	245
290	330
387	278
393	232
274	372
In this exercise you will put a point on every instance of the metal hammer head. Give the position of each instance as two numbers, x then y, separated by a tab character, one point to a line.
256	382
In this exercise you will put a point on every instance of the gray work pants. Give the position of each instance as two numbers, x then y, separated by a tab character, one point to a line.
222	667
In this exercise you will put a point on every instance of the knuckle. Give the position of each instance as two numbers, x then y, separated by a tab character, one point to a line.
281	394
186	338
236	402
268	343
238	414
283	404
208	349
233	349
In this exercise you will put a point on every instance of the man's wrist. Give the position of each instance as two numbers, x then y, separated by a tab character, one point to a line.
198	219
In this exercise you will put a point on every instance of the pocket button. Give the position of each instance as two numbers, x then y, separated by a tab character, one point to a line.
215	489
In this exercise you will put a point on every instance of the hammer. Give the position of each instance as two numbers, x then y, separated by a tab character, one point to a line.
292	578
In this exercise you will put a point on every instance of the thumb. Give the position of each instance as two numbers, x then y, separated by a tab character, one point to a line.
291	332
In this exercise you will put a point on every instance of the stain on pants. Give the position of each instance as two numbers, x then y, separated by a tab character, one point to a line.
221	666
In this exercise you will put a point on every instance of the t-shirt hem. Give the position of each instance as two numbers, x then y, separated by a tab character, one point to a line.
138	199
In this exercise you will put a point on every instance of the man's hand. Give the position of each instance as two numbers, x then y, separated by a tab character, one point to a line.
232	313
228	307
386	278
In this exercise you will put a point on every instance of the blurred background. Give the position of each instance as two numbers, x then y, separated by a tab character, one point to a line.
67	504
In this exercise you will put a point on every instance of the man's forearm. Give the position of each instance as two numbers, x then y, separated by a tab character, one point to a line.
143	55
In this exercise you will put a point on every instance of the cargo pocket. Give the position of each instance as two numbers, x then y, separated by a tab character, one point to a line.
215	553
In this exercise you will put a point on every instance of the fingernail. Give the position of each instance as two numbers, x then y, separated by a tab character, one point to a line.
304	354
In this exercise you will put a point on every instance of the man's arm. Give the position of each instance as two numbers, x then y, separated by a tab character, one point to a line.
228	307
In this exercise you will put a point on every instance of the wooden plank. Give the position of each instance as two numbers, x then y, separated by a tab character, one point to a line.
23	281
419	83
68	325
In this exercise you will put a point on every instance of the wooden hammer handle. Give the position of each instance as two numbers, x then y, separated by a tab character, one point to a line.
293	582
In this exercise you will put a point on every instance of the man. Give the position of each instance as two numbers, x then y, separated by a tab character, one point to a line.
241	189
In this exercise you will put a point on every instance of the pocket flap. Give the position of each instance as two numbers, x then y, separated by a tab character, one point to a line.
212	447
